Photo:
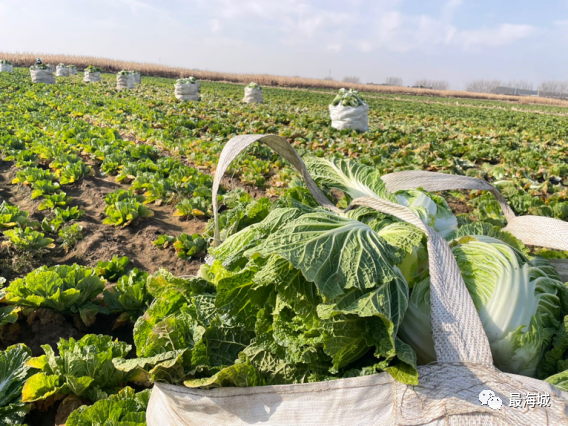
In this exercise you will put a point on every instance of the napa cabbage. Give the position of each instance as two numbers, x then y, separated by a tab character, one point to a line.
358	180
519	300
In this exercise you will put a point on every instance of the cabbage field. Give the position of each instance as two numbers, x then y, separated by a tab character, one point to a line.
106	223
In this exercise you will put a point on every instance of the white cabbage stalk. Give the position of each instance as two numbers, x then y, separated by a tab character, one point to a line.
518	301
438	215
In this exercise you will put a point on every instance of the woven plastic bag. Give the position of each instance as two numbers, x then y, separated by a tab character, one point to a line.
187	92
91	77
72	71
449	392
125	81
62	71
137	77
42	76
6	68
346	117
253	95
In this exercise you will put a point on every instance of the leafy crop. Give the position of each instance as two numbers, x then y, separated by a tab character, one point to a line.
125	408
163	241
188	80
189	245
501	279
113	269
296	294
70	235
11	216
65	289
348	98
124	212
27	239
51	202
130	296
13	374
83	368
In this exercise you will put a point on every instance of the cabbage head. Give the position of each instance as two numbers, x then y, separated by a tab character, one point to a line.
519	300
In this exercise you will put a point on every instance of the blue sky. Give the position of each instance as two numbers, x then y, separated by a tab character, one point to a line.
453	40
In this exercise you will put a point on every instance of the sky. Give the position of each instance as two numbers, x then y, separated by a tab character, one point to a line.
453	40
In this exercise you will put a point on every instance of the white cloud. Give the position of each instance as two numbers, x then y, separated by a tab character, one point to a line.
364	46
215	25
402	33
137	6
334	47
503	35
366	27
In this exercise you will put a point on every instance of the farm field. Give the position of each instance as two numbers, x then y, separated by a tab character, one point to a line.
117	186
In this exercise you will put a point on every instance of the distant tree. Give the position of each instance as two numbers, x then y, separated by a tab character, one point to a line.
433	84
483	86
329	78
352	79
553	89
393	81
440	85
520	84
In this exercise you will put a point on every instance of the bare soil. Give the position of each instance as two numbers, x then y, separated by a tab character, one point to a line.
100	241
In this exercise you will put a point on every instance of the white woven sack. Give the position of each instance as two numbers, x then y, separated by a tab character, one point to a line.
91	77
449	390
62	71
42	76
187	92
52	68
253	96
137	78
125	82
6	68
72	71
346	117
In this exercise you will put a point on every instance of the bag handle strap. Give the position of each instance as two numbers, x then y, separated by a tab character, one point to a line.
238	144
532	230
456	328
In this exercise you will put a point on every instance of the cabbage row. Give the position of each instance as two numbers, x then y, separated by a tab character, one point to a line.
295	293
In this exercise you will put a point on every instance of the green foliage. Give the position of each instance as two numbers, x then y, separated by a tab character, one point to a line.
72	172
13	374
243	212
11	216
123	207
29	175
188	80
51	202
188	246
194	207
65	289
163	241
83	368
123	409
27	239
349	98
129	296
70	235
44	187
113	269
